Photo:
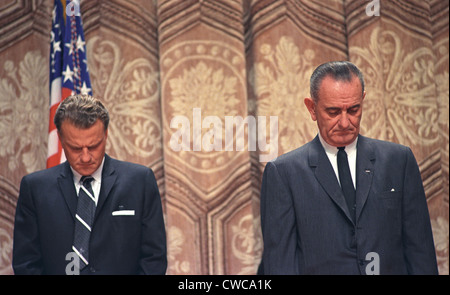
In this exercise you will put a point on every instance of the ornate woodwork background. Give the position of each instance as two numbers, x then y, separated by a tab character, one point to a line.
153	60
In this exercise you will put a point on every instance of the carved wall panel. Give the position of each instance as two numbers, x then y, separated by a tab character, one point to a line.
404	56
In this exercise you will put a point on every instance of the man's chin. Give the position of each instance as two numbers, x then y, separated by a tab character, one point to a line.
85	171
344	140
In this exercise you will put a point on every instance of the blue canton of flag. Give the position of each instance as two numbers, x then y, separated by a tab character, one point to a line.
68	70
75	69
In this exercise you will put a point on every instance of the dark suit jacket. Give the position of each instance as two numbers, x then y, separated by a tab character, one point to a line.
306	224
45	218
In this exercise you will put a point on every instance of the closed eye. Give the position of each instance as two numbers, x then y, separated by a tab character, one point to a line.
353	110
333	111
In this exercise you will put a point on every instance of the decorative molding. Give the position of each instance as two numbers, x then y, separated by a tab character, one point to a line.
314	18
19	18
8	198
431	172
176	17
439	10
125	18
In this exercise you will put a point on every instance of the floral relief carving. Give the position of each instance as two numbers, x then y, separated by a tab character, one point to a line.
130	91
22	123
246	246
208	76
176	240
442	84
204	87
404	81
280	83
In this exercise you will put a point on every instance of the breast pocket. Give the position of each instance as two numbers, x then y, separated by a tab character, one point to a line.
391	200
125	224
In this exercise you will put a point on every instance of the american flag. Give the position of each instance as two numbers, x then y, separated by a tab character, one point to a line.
68	69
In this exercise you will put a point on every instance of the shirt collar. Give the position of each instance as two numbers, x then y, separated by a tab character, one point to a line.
97	175
333	150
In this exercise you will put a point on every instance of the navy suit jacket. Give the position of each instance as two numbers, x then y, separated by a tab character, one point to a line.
122	244
307	228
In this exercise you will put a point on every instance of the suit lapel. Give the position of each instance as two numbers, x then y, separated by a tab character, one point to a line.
364	173
67	187
108	179
326	176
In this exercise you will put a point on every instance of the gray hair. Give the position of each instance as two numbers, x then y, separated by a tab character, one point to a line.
338	70
82	111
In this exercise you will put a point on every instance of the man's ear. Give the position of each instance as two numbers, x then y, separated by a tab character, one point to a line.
311	106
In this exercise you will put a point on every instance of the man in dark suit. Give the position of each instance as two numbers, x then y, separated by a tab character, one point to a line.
362	212
91	214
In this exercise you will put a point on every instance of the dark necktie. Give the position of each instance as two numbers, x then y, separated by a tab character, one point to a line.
84	219
346	181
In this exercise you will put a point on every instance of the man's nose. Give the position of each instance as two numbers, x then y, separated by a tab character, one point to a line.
344	121
85	155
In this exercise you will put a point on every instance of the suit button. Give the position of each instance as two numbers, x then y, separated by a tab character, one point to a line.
92	269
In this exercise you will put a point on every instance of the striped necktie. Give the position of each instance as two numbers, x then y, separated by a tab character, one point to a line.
346	181
83	220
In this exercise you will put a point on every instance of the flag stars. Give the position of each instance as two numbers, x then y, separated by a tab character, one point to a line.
56	46
80	43
85	89
69	45
68	74
54	15
68	68
86	64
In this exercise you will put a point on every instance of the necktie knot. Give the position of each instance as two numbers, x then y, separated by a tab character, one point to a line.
341	148
85	180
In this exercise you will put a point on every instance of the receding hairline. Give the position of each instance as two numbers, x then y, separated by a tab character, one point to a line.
338	71
345	81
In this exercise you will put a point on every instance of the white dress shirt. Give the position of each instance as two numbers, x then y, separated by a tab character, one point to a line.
332	151
96	183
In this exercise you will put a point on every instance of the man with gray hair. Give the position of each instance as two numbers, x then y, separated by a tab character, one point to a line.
92	214
344	203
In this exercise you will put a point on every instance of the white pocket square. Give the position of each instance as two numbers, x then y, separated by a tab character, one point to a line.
123	212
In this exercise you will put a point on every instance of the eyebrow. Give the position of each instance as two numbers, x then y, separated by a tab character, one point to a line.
88	146
338	108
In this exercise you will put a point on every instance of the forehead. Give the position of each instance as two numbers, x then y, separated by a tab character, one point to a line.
335	91
72	133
